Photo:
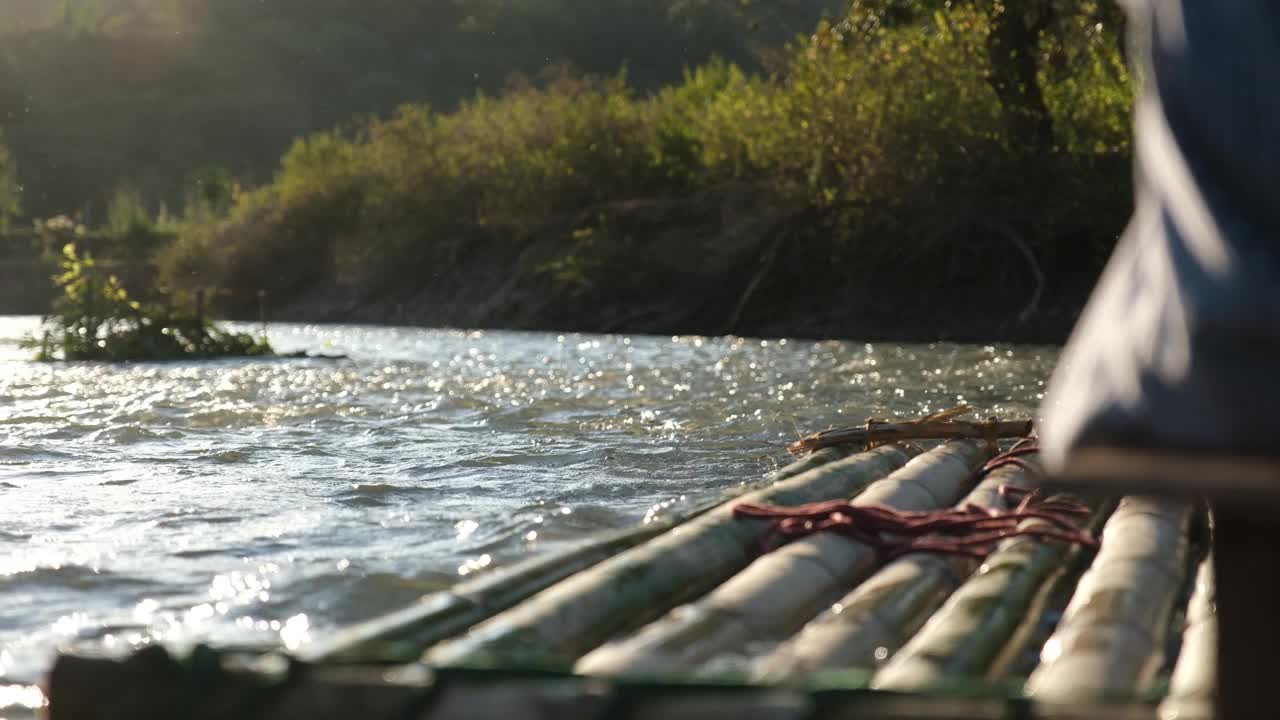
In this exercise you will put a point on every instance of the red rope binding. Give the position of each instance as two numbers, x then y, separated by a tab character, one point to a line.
965	530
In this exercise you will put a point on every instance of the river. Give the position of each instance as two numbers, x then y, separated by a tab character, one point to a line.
270	501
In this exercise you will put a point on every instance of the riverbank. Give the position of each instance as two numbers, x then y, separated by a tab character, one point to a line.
714	263
795	320
710	263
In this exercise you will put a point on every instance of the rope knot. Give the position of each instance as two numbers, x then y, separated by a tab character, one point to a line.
967	530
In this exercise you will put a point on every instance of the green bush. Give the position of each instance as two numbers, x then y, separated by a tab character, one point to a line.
95	319
898	130
9	190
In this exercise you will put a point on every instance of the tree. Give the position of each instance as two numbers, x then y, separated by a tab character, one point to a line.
139	92
9	188
1014	49
1028	44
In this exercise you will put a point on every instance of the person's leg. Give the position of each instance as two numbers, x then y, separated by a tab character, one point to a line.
1175	364
1179	345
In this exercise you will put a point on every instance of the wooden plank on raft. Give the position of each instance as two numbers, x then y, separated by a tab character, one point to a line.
1245	483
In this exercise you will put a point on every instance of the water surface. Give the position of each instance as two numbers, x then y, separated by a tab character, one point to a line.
270	501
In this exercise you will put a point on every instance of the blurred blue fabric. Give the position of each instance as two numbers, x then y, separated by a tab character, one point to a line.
1179	347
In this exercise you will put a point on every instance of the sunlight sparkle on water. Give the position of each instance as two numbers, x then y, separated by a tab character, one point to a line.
475	564
21	697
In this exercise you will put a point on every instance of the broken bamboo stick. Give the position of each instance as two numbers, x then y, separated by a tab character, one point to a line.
941	426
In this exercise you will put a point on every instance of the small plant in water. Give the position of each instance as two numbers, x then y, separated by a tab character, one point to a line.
95	319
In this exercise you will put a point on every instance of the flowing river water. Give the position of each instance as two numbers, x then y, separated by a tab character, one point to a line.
269	501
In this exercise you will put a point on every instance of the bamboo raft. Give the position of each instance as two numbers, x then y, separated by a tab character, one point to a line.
691	616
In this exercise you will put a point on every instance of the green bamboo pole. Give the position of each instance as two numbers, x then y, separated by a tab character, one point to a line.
783	589
562	622
969	630
1194	684
402	635
1111	640
1021	654
880	615
809	462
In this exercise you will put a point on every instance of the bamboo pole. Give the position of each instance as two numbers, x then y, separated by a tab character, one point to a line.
1021	654
1194	685
562	622
402	635
966	634
783	589
873	621
809	462
1111	639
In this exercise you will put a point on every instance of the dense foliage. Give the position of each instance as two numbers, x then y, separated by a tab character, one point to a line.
95	319
100	94
8	187
904	126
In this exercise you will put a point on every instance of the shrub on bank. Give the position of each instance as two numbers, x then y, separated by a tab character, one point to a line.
94	318
9	190
895	131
